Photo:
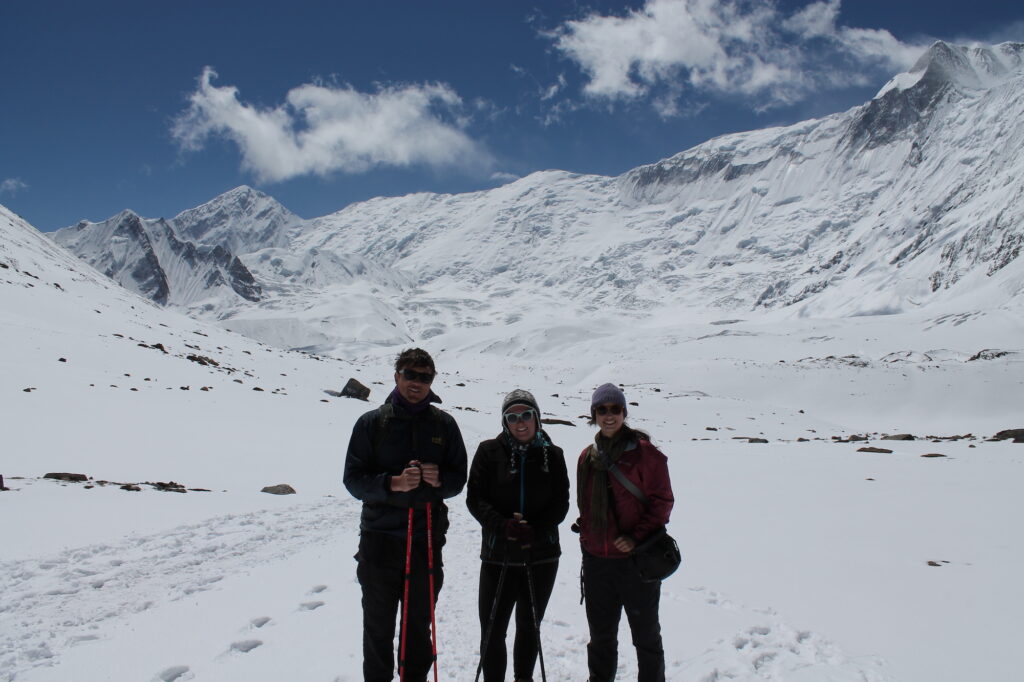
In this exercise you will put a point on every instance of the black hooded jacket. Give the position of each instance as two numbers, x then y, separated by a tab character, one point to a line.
383	442
499	487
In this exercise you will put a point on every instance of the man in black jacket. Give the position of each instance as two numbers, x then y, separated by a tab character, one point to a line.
403	455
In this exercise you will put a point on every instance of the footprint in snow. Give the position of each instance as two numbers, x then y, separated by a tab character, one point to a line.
310	605
317	589
259	622
246	645
173	674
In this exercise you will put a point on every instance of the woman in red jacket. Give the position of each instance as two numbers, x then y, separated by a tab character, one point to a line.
613	521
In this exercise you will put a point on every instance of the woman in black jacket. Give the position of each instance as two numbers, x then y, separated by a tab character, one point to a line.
519	492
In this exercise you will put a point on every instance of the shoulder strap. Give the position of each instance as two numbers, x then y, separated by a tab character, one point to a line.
384	414
621	477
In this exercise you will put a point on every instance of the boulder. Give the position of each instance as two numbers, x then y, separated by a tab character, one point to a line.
1016	435
77	478
279	489
899	436
354	389
872	449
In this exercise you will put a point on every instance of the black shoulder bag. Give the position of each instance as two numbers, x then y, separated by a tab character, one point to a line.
658	556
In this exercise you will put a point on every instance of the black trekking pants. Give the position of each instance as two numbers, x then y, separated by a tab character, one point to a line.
381	574
611	585
515	593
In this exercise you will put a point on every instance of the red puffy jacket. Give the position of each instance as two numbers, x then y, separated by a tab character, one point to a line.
647	468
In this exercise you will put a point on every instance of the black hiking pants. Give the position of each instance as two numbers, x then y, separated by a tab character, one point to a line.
611	586
381	574
515	593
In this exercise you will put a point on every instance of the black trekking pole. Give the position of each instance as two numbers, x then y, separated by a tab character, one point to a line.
533	608
494	611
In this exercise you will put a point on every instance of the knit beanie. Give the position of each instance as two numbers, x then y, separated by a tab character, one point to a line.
519	397
608	394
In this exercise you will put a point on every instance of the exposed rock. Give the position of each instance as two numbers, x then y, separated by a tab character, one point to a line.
354	389
873	449
757	440
1015	434
131	487
933	454
549	420
67	477
988	354
279	489
899	436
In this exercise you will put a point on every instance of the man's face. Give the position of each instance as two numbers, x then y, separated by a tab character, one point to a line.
414	383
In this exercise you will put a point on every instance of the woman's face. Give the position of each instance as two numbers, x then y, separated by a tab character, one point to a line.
609	418
525	426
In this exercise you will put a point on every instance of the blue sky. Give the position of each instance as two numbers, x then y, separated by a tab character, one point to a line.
159	107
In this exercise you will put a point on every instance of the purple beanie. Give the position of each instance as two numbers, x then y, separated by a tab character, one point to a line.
608	393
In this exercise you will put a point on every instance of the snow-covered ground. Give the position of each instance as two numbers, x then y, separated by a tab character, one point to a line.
804	560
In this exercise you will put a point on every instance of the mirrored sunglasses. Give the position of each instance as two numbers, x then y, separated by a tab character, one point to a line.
413	375
602	410
516	417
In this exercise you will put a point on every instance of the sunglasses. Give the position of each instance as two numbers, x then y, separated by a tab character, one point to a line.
602	410
413	375
516	417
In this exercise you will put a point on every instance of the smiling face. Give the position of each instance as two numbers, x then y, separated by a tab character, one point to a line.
523	430
609	418
413	383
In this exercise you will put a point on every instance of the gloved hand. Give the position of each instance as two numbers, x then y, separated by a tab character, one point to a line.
519	532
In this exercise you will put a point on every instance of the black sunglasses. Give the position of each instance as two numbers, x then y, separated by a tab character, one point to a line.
516	417
413	375
608	409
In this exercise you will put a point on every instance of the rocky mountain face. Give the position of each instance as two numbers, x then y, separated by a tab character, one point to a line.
912	200
148	257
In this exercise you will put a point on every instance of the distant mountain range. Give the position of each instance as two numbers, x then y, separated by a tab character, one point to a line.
913	199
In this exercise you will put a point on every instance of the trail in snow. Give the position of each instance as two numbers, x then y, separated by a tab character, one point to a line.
85	597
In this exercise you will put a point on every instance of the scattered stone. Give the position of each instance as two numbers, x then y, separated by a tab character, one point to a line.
76	478
988	354
257	388
710	428
2	488
757	440
551	420
460	384
634	404
203	360
62	359
856	438
131	487
899	436
169	487
933	454
279	489
803	440
1010	434
934	563
354	389
883	451
29	389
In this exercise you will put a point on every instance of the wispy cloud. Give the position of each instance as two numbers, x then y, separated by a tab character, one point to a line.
724	47
321	129
12	186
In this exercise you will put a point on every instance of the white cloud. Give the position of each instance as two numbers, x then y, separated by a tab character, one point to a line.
726	47
321	129
503	177
12	186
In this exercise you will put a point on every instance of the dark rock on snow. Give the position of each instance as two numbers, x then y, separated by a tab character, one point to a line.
67	477
354	389
280	489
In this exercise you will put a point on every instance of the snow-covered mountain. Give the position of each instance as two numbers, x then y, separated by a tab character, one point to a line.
149	258
910	201
241	220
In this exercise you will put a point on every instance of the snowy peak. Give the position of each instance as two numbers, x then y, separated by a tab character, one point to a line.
242	220
148	257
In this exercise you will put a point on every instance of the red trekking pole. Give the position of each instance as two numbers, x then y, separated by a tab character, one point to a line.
430	574
405	598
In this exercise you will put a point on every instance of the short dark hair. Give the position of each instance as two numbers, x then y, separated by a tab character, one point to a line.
414	357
